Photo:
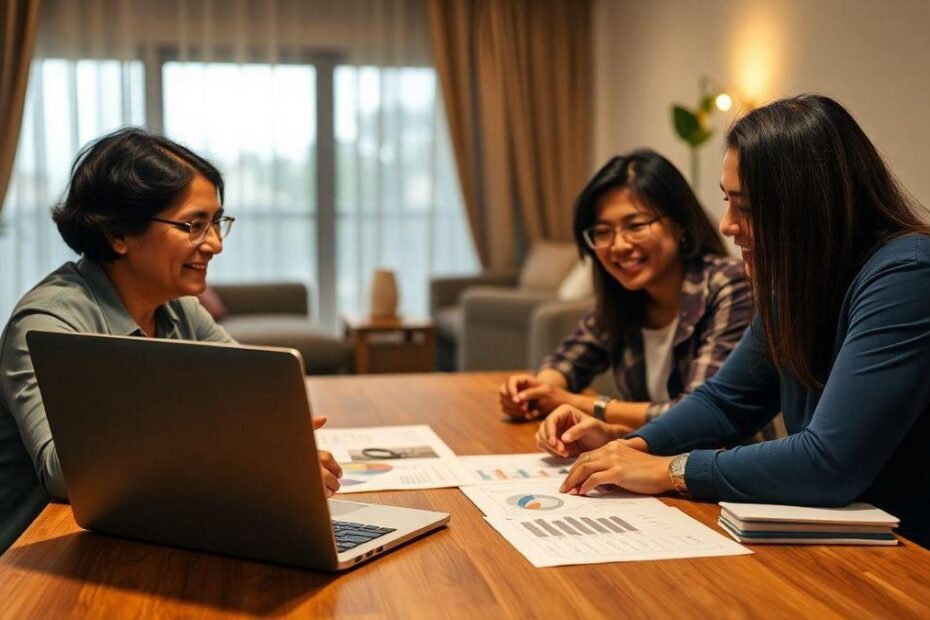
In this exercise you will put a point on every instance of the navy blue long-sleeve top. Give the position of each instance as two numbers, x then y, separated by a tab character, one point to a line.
864	437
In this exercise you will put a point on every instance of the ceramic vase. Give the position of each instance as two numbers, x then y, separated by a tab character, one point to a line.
383	294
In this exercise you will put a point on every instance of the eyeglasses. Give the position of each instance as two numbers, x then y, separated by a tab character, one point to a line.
601	236
198	228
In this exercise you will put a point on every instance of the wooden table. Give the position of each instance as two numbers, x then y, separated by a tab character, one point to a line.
391	345
467	569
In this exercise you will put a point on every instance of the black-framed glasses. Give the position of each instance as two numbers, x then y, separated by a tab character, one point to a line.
198	228
601	236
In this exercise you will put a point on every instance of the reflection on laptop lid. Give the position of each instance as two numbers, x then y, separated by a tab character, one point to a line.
207	446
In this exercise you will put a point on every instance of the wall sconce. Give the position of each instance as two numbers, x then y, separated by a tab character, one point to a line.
693	125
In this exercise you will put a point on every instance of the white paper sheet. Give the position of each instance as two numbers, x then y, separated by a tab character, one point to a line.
425	462
555	529
519	499
631	532
497	468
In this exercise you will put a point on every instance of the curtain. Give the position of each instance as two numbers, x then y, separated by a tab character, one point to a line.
517	80
325	119
18	22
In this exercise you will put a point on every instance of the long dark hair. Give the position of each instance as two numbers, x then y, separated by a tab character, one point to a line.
821	200
656	184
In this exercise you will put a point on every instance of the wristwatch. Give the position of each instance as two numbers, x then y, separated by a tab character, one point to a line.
676	471
600	407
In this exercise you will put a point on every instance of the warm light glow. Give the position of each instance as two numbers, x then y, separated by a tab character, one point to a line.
723	102
756	51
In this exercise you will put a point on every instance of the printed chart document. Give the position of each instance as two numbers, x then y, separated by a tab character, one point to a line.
536	498
387	458
554	529
494	468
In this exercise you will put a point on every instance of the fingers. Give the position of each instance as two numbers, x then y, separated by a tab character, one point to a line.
330	471
542	441
329	463
516	382
597	478
581	469
511	408
549	433
330	482
581	429
318	421
532	393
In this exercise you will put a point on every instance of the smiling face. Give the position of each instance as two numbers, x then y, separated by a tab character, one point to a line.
736	222
162	264
645	265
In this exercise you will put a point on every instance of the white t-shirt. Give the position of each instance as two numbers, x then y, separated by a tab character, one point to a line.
657	347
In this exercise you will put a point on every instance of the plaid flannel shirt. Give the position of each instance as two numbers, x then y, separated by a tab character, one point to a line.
715	310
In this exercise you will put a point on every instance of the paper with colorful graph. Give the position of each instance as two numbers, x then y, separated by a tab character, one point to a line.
555	529
391	458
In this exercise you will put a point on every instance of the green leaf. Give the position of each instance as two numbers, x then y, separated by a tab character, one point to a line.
689	127
686	123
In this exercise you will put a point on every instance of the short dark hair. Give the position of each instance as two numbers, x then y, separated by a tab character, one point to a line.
820	200
656	184
121	180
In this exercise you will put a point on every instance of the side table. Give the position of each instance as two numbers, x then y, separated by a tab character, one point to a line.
399	344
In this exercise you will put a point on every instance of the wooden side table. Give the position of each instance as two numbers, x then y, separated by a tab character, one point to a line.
400	344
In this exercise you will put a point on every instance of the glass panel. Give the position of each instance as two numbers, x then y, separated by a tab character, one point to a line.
398	202
257	123
68	104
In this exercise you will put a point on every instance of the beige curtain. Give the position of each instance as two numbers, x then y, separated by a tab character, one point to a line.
18	23
516	76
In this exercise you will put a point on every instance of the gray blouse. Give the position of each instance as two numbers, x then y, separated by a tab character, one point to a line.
77	297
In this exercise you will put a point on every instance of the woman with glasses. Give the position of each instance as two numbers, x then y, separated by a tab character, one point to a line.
670	305
146	216
839	259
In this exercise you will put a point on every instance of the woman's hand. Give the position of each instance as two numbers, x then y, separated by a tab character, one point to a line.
330	470
568	432
622	464
523	396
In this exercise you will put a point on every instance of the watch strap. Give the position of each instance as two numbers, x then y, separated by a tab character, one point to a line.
600	407
676	471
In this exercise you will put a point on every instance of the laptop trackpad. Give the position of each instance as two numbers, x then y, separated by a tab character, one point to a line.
338	508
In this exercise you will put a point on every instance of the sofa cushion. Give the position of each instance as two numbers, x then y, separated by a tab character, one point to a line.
547	265
212	303
322	353
578	284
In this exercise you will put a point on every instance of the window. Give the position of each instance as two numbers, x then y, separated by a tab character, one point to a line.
389	196
257	124
103	96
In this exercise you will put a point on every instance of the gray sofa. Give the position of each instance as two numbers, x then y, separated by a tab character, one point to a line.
277	314
484	322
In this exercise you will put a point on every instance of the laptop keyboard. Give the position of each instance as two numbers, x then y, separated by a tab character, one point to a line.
349	535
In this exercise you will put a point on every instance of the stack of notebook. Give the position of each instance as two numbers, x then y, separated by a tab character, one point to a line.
856	524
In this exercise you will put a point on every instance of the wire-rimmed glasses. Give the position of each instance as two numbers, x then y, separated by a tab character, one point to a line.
199	227
601	236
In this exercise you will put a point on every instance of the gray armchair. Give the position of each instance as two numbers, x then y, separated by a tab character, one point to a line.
277	315
482	322
447	312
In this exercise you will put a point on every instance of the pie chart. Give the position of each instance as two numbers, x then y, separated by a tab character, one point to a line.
535	502
364	468
361	471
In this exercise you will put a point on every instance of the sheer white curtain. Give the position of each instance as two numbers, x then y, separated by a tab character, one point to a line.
324	117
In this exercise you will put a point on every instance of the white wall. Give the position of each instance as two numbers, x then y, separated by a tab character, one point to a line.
871	55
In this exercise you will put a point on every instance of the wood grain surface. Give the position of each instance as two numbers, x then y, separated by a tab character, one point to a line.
465	570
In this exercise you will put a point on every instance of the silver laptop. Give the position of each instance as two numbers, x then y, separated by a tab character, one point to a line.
206	446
